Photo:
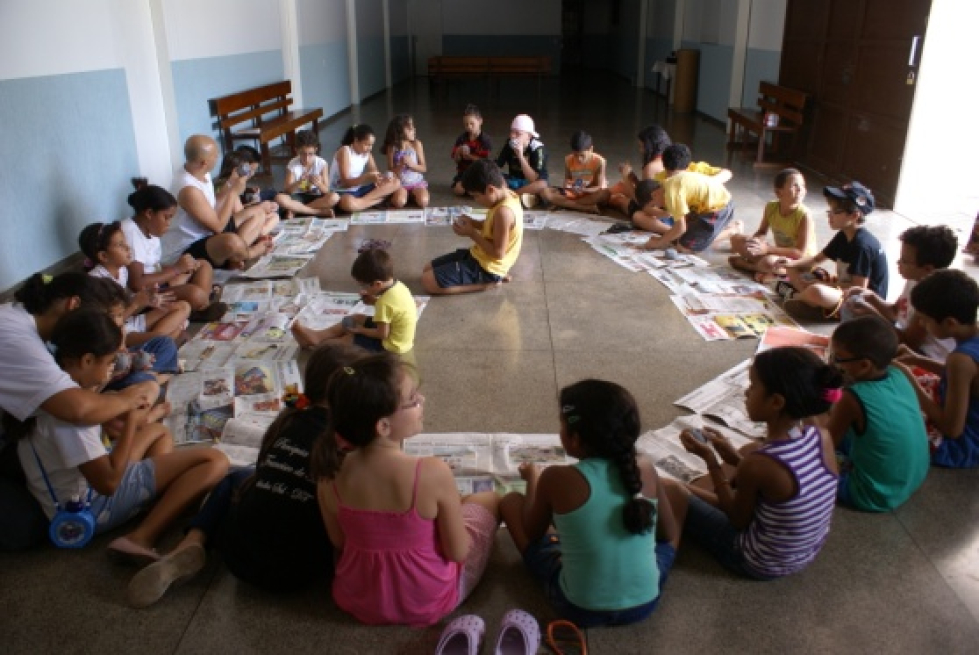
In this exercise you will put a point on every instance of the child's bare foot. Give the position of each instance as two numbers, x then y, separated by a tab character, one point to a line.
158	412
305	337
326	213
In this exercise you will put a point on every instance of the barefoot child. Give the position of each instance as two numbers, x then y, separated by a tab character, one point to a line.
118	485
392	327
471	145
791	225
149	313
772	516
651	141
307	180
410	549
609	511
497	240
354	175
524	159
876	424
585	185
406	159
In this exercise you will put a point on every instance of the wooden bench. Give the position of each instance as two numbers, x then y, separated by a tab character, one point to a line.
780	111
442	68
268	114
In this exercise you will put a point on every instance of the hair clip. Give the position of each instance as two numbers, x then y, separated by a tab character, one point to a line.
46	279
342	444
348	370
294	399
832	395
88	263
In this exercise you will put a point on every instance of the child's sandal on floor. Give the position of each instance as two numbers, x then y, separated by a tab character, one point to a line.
463	636
519	634
565	638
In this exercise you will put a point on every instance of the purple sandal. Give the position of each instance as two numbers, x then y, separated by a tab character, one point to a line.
519	634
463	636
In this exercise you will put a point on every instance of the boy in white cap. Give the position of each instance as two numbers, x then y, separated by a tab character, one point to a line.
524	161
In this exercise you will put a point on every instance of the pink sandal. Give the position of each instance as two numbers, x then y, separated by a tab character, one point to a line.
463	636
519	634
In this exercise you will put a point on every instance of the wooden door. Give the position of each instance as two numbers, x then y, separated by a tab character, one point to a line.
854	58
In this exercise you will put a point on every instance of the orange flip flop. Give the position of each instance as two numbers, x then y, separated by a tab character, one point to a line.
565	638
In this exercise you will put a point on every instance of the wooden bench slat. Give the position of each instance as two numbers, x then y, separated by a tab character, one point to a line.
787	104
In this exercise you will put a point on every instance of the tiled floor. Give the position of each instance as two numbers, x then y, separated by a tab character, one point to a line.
906	582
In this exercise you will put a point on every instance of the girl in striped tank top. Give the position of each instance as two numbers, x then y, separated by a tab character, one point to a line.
771	517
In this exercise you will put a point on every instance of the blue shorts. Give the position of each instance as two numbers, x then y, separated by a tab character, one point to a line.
711	528
359	192
135	492
702	229
370	344
459	269
543	558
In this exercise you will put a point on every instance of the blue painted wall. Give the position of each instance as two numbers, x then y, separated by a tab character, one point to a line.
195	81
370	64
521	45
400	63
714	83
326	76
657	49
759	65
80	175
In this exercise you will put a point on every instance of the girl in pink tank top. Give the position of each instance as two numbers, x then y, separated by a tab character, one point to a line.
410	551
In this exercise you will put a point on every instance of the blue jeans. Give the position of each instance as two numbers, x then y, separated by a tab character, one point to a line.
164	351
711	528
543	558
215	508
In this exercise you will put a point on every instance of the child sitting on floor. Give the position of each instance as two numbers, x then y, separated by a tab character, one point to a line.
924	249
946	303
772	516
585	185
406	159
392	327
876	424
524	159
247	159
791	225
187	279
609	510
471	145
149	313
411	550
308	178
354	174
860	259
652	140
264	519
496	240
64	461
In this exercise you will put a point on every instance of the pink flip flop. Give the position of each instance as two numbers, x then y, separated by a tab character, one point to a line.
519	634
129	551
463	636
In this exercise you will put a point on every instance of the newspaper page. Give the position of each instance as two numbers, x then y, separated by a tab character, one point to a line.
722	399
778	336
668	455
277	265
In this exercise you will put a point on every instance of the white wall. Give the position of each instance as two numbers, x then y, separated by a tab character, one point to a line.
216	28
767	24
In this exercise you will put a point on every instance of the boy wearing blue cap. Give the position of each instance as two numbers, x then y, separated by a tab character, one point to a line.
860	259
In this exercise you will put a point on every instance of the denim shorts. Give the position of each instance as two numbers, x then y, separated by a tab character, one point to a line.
543	558
359	192
370	344
711	528
702	229
460	268
135	492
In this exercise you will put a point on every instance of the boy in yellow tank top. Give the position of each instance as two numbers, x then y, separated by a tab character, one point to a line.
496	240
791	225
585	185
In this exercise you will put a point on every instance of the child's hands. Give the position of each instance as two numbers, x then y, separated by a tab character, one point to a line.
693	445
756	247
625	169
722	446
187	264
463	226
529	471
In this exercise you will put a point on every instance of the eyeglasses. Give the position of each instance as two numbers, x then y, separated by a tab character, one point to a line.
846	360
834	212
416	400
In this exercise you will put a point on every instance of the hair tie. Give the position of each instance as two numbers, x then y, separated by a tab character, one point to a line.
342	444
832	395
46	279
567	410
88	263
348	370
295	399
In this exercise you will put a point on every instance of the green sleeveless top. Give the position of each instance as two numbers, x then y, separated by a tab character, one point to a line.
604	566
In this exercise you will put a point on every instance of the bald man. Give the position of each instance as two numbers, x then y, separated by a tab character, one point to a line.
209	227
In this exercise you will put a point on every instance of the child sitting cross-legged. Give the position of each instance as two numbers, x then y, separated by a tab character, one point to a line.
876	423
410	549
614	537
392	327
64	461
585	185
771	517
946	303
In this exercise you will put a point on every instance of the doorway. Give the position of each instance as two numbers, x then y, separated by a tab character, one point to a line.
858	61
572	35
425	17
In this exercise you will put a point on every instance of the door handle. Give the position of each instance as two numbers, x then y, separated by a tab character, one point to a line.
913	55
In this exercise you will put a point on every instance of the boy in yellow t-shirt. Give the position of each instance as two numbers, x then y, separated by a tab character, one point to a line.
392	327
496	240
700	206
585	186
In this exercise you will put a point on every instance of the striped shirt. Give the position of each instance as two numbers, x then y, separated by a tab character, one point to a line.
784	537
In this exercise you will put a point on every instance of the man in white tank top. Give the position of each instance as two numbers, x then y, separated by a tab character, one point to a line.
205	225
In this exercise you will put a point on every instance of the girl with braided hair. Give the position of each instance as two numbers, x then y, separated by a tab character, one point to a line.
613	540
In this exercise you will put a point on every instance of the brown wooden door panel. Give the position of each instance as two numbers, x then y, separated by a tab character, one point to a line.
873	152
845	19
801	68
807	20
826	140
881	81
839	72
895	19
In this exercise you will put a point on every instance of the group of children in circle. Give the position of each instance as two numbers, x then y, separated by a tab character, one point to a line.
332	475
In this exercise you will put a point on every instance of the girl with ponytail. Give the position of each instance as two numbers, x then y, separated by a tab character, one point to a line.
614	536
